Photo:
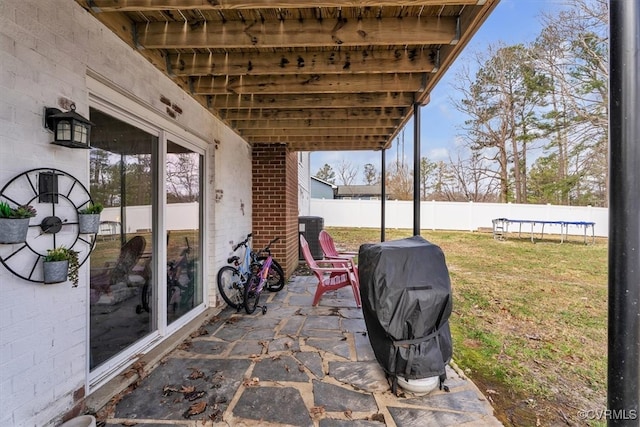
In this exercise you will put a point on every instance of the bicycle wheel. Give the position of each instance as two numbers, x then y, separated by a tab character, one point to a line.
275	280
144	299
251	296
230	286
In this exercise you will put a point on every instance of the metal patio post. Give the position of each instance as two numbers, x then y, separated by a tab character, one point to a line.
624	221
416	169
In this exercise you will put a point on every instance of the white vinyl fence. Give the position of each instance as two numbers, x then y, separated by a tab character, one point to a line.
456	215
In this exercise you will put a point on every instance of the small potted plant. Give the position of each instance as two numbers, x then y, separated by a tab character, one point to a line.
61	264
89	218
14	222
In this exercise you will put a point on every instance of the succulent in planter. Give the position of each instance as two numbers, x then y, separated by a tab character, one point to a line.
24	211
92	209
14	222
65	254
89	218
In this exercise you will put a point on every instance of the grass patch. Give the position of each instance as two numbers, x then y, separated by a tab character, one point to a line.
529	321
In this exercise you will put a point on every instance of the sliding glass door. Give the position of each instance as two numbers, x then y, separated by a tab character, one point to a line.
146	268
183	219
123	165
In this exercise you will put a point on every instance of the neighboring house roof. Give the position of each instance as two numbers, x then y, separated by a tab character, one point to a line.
359	190
322	181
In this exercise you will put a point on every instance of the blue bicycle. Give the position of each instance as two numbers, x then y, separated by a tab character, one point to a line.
233	278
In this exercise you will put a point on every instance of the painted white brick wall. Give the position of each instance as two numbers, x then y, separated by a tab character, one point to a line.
47	48
233	210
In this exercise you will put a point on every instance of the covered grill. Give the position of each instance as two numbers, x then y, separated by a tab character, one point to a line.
406	302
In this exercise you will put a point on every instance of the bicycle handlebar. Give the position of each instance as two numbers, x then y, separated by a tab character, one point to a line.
243	243
267	248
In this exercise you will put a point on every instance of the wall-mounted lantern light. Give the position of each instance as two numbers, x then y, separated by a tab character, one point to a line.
70	129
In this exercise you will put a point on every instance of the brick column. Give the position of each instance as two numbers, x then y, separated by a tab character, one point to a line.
275	202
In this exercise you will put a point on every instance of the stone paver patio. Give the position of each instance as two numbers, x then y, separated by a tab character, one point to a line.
297	365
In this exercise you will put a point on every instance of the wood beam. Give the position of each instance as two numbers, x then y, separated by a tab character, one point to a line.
344	32
470	21
311	83
325	139
311	100
324	114
158	5
259	133
402	60
289	124
337	146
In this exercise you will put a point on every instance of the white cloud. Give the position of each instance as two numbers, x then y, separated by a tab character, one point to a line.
437	154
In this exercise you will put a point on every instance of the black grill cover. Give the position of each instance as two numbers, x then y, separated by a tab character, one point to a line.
406	303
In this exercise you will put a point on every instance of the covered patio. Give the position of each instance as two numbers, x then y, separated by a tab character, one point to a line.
293	76
296	365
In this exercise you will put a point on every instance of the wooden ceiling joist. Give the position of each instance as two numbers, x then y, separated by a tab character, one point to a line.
311	74
310	100
318	114
309	83
289	124
297	34
351	132
400	60
157	5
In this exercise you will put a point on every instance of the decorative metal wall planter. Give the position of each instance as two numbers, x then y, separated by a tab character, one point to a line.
58	198
88	223
55	271
13	230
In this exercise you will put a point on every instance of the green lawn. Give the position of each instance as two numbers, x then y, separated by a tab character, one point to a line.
529	320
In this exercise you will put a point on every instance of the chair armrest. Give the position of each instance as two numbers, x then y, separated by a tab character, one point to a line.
350	253
336	261
333	269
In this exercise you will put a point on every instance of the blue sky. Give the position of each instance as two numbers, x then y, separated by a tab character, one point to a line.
512	21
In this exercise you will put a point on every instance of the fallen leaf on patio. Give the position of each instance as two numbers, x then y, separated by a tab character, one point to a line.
377	417
168	389
347	414
187	389
251	382
286	368
343	339
193	395
317	410
185	346
277	357
298	312
202	331
254	357
301	367
195	374
216	415
129	423
195	409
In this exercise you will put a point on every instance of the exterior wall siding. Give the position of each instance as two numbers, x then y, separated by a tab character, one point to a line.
47	50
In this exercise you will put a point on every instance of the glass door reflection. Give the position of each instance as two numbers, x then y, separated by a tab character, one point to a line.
183	219
122	167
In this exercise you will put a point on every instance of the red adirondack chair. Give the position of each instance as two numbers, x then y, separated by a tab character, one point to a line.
330	251
338	274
